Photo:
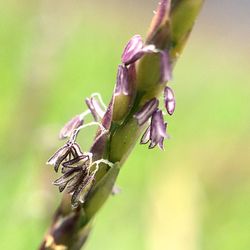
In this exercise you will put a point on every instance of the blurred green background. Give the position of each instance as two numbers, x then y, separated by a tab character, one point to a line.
193	196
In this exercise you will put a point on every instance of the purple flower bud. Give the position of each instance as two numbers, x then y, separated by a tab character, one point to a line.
166	69
161	15
122	81
146	111
70	126
169	100
68	150
136	49
133	50
95	108
157	130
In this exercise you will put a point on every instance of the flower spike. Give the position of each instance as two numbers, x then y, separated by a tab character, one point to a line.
144	70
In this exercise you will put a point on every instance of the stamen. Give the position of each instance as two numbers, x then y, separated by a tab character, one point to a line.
90	155
105	161
97	163
98	95
85	113
76	131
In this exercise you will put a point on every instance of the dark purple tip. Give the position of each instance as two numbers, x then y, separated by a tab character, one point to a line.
169	100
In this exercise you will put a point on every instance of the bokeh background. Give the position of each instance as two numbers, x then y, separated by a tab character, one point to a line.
193	196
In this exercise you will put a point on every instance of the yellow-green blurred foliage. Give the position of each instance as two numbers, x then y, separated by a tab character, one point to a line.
193	196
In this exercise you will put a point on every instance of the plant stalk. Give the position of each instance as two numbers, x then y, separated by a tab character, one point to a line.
70	228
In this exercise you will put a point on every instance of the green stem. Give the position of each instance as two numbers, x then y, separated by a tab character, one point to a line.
70	228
